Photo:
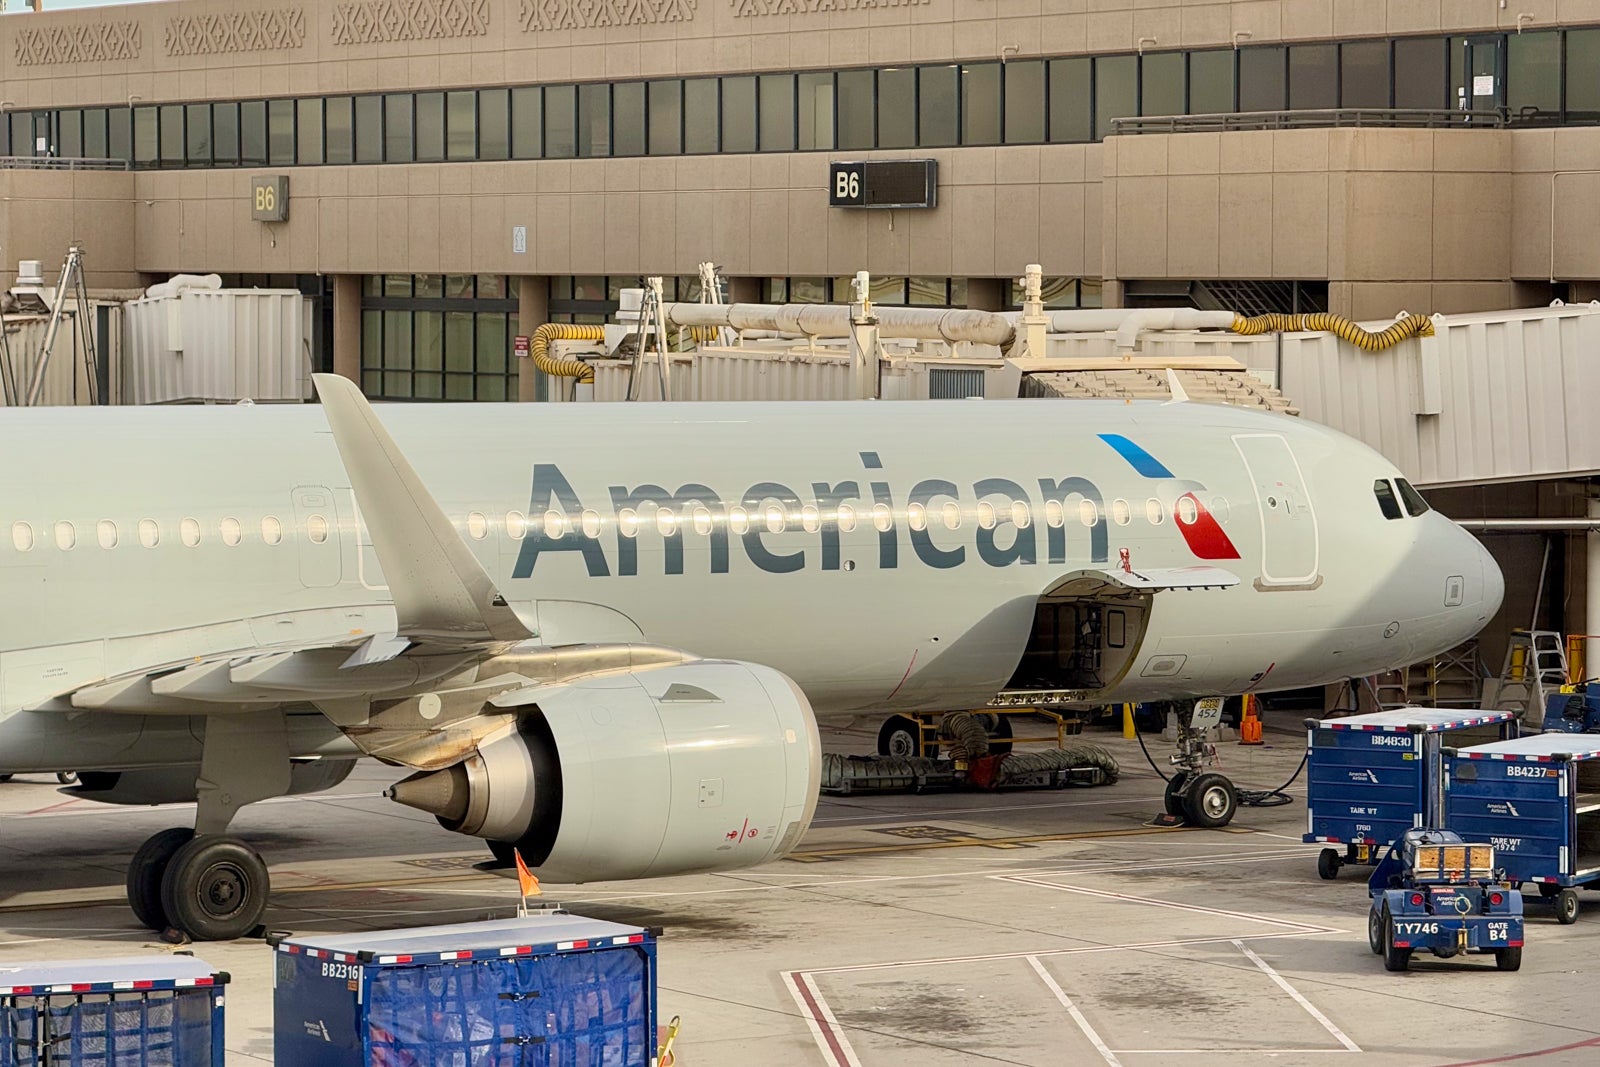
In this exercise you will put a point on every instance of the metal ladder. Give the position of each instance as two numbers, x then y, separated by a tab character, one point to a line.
1535	664
652	327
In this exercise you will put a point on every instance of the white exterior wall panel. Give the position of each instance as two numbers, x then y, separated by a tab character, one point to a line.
238	344
66	381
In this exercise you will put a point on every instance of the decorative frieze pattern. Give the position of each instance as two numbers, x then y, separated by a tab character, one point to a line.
87	42
380	21
236	31
595	14
751	8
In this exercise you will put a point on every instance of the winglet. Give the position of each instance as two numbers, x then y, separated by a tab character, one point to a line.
441	593
1175	387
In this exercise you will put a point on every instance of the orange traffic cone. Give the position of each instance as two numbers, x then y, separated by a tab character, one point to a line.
1249	724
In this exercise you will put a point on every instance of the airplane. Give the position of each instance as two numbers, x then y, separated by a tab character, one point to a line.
600	635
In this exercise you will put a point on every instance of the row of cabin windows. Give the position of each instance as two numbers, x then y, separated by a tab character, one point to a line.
1390	496
149	533
776	518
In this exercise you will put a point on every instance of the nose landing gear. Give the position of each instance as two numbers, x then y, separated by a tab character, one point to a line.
1196	796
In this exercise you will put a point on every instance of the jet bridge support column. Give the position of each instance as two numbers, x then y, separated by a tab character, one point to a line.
1591	609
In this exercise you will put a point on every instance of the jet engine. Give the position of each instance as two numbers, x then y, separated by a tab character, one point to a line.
701	766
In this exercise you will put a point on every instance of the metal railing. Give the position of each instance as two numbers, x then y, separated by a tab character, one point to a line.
60	163
1315	118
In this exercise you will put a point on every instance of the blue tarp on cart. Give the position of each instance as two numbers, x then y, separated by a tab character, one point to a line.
154	1011
541	991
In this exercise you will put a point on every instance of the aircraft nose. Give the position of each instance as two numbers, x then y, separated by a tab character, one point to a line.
1494	582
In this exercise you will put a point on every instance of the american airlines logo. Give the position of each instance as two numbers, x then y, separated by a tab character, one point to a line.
933	512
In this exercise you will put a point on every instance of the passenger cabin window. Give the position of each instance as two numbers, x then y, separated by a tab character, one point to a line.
1415	505
1386	501
271	530
66	536
232	532
107	532
22	537
189	532
477	526
317	529
591	524
1153	512
516	525
1121	513
149	533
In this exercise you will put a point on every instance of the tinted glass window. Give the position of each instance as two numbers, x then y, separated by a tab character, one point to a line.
1261	79
666	118
980	103
627	103
1420	72
1415	505
594	120
1211	82
369	129
1024	101
1070	97
700	115
1386	501
1161	89
253	132
5	134
897	107
172	135
1583	75
527	123
119	133
399	144
937	110
561	121
69	141
777	113
1116	90
738	114
225	133
430	127
145	148
341	130
461	125
1314	76
816	111
494	124
280	132
95	143
1364	74
197	117
857	114
308	119
1533	76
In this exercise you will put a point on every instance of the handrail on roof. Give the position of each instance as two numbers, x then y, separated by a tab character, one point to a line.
1309	118
61	163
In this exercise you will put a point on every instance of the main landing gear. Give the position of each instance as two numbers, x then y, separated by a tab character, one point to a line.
203	883
1197	796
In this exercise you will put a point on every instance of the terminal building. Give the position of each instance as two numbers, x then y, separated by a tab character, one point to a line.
442	176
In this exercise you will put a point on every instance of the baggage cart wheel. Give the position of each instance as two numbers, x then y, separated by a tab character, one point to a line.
1394	959
1173	798
1374	932
1508	959
1567	907
900	736
1210	802
1328	864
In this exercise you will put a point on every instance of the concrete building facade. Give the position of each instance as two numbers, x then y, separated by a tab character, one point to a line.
518	160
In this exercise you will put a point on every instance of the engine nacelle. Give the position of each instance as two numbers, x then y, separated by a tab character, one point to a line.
176	785
709	765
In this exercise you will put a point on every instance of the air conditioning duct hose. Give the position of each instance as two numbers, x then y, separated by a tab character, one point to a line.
561	331
1339	326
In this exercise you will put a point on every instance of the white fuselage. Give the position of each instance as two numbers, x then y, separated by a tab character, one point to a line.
136	537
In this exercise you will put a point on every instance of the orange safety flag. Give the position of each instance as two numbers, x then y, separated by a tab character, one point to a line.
525	878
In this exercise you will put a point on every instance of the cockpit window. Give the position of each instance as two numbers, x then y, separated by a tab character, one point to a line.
1415	505
1386	501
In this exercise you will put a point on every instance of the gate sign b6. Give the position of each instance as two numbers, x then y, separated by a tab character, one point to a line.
883	183
269	197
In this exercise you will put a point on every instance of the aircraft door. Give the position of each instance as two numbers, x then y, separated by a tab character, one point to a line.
316	537
1289	542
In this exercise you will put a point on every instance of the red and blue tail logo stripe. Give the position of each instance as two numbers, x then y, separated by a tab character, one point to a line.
1201	531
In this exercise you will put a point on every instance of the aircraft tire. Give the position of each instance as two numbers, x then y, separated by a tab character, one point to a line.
1173	798
145	872
900	736
1211	802
215	889
999	736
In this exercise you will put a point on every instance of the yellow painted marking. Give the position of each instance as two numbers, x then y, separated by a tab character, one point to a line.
821	854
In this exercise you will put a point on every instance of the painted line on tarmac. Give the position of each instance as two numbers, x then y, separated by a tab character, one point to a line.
1593	1042
1077	1016
929	813
1199	909
1311	1009
822	855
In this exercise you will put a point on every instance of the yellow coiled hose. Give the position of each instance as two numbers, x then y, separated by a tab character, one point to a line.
539	350
1339	326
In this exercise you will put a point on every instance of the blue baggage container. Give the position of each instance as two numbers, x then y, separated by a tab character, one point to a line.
1370	778
1537	801
548	990
154	1010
